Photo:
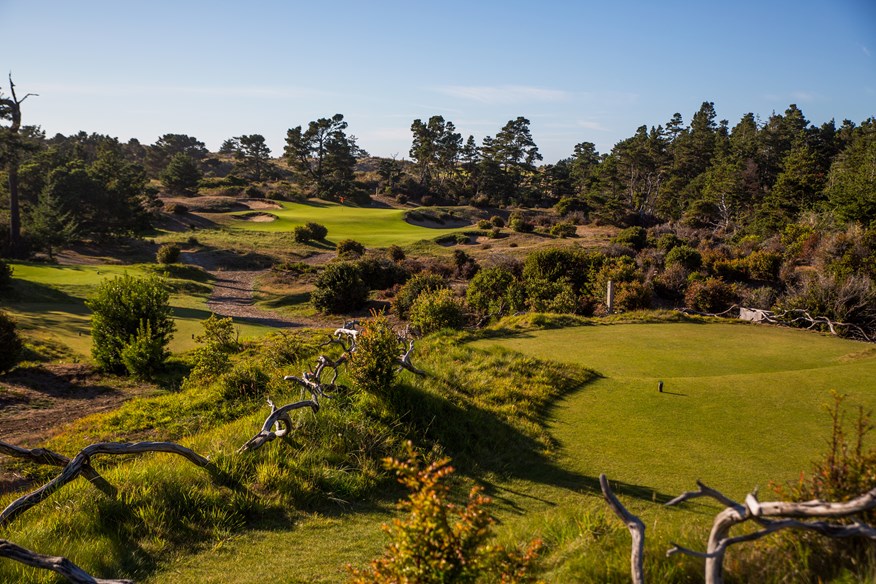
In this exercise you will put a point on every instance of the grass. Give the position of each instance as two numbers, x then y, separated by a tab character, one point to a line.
372	227
48	303
741	406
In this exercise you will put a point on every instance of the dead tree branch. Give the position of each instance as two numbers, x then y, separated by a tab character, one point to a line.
636	527
43	456
772	516
62	566
74	468
277	425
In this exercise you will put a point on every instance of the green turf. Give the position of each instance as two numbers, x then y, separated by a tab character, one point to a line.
372	227
742	405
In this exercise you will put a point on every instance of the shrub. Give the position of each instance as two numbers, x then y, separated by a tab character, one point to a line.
254	192
466	266
408	293
121	308
460	238
395	253
436	310
167	254
555	264
484	224
11	343
634	295
495	291
219	341
668	241
544	295
349	248
381	273
301	234
685	256
145	354
372	366
563	229
710	295
497	221
339	288
519	224
5	274
635	237
439	541
246	380
317	230
177	209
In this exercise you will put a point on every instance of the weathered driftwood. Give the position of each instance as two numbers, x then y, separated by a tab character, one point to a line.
43	456
771	517
62	566
404	360
636	527
74	468
278	417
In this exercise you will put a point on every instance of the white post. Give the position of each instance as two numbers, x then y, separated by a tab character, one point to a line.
609	302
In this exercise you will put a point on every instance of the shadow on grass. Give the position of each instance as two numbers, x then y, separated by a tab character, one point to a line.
287	300
480	442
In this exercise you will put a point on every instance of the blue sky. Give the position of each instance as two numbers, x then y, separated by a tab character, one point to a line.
579	71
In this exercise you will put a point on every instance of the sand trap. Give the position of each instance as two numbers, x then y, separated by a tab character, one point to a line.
261	204
256	217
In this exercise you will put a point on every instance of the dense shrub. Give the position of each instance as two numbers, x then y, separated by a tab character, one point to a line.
339	288
380	273
764	265
395	253
436	310
349	248
519	224
710	295
684	256
466	266
408	293
484	224
317	230
633	295
11	343
145	354
246	380
668	241
635	237
555	264
372	366
849	300
563	229
495	291
167	254
5	274
121	309
301	234
497	221
218	343
551	296
309	231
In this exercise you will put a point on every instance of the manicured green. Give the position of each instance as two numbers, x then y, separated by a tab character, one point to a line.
373	227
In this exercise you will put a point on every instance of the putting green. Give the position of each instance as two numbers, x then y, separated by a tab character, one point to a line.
742	405
372	227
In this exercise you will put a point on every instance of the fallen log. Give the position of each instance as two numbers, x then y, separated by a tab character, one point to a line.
272	429
58	564
44	456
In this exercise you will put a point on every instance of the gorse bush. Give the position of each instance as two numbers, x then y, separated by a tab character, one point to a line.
145	354
309	232
350	248
710	295
495	291
439	541
218	343
121	308
246	380
436	310
408	293
340	288
372	366
167	254
10	342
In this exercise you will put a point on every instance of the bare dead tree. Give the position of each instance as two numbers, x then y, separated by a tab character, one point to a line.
11	108
277	425
636	527
771	517
75	468
62	566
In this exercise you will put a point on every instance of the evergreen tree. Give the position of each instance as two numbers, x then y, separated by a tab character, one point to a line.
253	155
323	155
50	226
181	175
851	188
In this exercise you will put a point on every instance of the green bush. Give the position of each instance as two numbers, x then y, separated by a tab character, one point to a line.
301	234
218	342
563	229
11	343
246	380
5	274
685	256
349	248
519	224
433	311
710	295
121	307
309	232
167	254
145	354
635	237
668	241
408	293
340	288
496	291
544	295
484	224
372	366
395	253
381	273
497	221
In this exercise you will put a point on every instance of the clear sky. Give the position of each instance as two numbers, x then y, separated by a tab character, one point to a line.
578	70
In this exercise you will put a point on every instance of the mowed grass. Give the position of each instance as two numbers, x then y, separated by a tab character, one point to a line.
742	405
371	227
49	305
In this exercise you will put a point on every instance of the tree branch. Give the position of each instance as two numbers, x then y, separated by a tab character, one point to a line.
62	566
43	456
636	527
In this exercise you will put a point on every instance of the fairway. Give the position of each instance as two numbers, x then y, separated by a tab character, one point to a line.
742	405
372	227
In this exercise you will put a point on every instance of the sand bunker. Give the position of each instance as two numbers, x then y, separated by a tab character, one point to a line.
261	204
256	217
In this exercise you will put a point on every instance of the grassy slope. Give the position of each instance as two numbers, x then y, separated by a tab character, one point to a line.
50	305
750	412
372	227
